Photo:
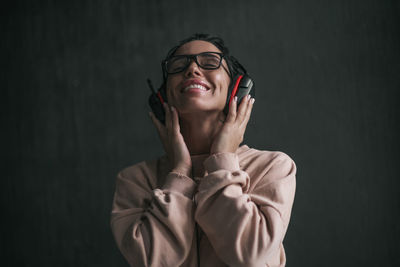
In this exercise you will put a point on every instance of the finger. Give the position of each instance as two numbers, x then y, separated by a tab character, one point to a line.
168	123
162	133
159	126
175	120
232	111
248	111
242	109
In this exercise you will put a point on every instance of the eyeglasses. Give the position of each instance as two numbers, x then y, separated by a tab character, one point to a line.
205	60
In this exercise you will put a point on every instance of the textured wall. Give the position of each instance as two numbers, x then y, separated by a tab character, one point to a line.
75	113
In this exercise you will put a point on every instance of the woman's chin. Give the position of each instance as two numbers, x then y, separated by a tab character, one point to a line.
198	107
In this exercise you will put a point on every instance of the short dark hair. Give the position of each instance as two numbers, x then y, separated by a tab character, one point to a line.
234	66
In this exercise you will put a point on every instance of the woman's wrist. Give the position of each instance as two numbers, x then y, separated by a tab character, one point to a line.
226	149
187	171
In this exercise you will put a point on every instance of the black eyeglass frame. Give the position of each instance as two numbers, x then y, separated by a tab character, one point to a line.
190	57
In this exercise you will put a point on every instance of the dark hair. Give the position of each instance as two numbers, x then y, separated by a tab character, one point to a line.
234	66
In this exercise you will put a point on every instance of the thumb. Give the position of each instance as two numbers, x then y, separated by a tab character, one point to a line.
159	126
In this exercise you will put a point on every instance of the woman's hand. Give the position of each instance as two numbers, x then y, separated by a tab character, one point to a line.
173	142
232	132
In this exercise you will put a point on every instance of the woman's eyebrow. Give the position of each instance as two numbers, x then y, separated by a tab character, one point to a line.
196	54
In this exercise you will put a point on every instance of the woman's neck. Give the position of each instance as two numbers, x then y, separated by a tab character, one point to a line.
199	130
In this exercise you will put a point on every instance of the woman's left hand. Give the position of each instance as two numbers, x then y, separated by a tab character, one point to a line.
232	132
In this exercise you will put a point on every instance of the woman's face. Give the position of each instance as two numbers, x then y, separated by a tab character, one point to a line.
211	95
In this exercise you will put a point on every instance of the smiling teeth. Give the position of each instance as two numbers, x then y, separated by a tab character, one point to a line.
198	86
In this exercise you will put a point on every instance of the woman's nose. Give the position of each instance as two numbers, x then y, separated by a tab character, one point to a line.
193	69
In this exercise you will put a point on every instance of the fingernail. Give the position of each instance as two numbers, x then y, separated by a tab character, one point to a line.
172	108
248	96
235	98
253	100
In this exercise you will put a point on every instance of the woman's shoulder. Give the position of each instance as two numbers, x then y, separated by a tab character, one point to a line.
264	157
266	165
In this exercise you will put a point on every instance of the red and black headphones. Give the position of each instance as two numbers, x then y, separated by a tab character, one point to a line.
240	86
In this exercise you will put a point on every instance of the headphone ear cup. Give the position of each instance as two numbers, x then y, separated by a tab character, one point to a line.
163	93
156	101
240	87
246	86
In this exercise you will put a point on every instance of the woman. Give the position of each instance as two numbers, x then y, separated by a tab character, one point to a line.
208	201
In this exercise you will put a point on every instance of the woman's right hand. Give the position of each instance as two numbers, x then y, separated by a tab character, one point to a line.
173	142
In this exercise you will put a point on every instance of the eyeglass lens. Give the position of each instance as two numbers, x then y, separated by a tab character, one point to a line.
204	60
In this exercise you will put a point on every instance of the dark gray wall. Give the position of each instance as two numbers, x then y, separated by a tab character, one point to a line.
75	113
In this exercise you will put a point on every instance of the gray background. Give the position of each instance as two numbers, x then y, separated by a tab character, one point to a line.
75	113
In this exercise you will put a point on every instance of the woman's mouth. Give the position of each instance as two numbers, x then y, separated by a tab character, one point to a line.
195	87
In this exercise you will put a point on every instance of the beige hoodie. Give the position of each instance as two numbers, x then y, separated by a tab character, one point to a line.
234	212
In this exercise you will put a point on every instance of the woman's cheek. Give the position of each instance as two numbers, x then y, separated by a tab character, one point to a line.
171	94
223	81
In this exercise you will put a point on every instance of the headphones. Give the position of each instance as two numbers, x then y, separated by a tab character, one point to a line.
240	86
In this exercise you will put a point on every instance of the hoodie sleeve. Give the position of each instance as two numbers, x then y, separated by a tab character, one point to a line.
153	227
246	227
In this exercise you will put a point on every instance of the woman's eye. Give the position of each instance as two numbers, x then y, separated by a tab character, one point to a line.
210	61
177	64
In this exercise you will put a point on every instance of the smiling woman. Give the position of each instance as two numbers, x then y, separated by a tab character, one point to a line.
209	201
210	94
